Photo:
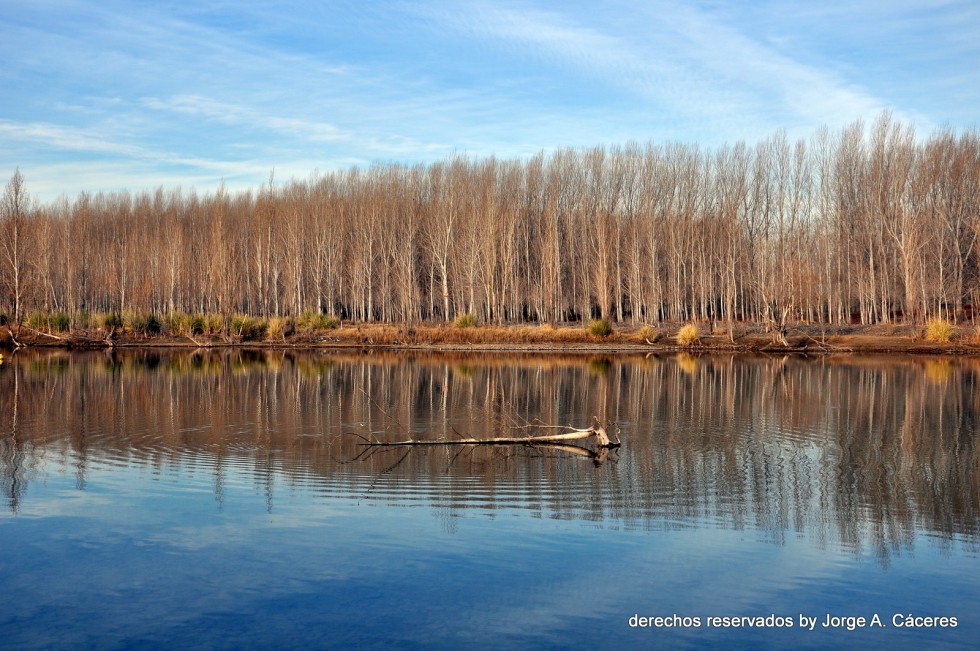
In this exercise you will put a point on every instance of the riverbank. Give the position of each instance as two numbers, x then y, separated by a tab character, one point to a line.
566	338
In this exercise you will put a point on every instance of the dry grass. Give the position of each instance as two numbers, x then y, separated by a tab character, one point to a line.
248	327
213	324
599	328
648	334
529	335
141	324
939	331
310	321
312	328
688	335
279	327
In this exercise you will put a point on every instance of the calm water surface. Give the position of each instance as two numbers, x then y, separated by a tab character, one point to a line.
224	500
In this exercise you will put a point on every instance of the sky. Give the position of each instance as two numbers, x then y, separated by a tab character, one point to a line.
110	95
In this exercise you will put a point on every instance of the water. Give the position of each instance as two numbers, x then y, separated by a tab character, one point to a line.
224	500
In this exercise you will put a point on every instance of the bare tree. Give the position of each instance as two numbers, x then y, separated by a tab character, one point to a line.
17	240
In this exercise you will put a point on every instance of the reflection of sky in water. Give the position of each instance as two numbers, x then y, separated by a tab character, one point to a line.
140	559
133	543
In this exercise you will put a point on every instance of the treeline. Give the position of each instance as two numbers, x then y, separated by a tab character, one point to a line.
866	223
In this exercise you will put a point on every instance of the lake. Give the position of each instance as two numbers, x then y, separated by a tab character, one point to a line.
225	499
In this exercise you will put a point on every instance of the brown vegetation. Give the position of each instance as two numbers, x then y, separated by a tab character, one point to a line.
206	331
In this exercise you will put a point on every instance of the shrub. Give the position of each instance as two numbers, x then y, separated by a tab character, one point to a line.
599	328
153	324
213	323
312	321
82	319
198	324
59	321
648	333
279	327
134	322
178	324
688	335
112	320
36	320
939	331
467	320
248	327
141	324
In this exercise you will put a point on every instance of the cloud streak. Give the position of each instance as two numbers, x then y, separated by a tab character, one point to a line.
224	88
680	60
238	115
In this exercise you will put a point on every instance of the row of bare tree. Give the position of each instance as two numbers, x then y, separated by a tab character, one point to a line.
865	223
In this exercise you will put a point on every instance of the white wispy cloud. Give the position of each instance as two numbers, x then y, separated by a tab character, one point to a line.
742	62
62	137
219	89
241	115
680	60
81	140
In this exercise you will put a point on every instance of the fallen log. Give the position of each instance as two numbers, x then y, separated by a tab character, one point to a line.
597	433
17	344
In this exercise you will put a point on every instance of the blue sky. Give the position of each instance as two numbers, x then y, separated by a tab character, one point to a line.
103	95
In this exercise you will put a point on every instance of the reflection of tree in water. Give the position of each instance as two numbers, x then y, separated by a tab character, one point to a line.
857	452
13	457
13	479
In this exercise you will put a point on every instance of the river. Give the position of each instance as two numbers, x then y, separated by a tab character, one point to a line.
225	499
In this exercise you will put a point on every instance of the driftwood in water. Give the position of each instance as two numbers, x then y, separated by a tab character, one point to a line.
17	344
596	433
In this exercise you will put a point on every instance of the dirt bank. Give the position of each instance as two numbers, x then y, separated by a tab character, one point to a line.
566	338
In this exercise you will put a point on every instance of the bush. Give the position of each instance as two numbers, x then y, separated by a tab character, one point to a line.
198	324
248	327
312	321
688	335
467	320
213	323
279	327
134	322
82	319
54	321
599	328
36	321
142	324
112	320
939	331
648	333
178	324
154	325
59	321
